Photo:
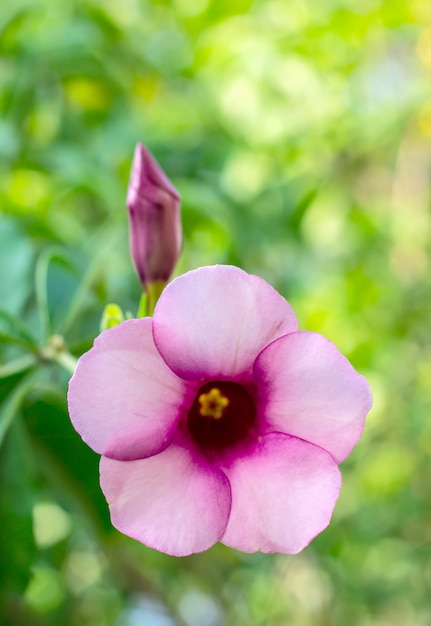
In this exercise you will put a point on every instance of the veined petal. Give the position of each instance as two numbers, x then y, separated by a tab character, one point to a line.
283	495
310	390
172	502
213	322
123	399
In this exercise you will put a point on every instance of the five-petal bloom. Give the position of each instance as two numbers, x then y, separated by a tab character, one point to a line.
217	420
154	216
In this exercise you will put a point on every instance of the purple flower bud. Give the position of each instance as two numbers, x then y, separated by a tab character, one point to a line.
154	214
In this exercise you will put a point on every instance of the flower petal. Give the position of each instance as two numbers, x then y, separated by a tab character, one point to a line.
123	399
310	390
283	495
213	322
172	502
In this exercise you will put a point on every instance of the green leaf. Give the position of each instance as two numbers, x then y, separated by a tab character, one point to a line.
17	366
10	407
102	244
16	264
70	466
12	330
46	258
17	546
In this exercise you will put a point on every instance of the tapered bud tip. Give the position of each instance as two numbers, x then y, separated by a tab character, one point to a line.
147	175
154	216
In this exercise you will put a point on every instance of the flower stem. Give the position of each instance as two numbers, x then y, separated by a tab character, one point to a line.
68	361
55	352
154	291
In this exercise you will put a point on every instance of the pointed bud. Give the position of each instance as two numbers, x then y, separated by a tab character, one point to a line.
154	216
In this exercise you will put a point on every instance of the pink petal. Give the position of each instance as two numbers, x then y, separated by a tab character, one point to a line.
123	399
171	502
283	495
213	322
310	390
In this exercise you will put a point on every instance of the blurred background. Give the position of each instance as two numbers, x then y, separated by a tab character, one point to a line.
298	134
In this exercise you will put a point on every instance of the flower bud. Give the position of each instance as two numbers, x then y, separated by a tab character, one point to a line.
154	216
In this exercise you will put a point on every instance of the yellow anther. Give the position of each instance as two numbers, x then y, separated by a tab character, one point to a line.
213	403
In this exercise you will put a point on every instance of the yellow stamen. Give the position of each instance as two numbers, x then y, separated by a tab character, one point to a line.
213	403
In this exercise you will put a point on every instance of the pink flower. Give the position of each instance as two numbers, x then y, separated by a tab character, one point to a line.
154	216
217	420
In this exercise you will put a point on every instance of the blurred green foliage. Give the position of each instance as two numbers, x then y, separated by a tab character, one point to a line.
298	134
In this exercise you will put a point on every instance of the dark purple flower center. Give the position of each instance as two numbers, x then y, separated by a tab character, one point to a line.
221	415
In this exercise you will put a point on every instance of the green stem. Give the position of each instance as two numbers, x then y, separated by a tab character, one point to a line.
55	352
154	291
143	306
67	361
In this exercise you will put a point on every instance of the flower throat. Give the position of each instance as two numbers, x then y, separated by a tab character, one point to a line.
221	415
